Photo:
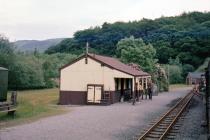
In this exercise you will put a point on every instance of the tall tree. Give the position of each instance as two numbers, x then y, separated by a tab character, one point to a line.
131	50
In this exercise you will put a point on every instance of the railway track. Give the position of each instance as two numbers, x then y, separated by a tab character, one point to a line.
162	129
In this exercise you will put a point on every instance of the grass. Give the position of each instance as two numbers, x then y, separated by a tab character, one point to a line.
32	105
175	86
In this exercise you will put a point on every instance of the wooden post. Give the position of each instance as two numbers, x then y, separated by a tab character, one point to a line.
14	98
134	92
146	83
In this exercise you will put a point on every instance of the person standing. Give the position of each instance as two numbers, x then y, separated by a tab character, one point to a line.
150	90
141	91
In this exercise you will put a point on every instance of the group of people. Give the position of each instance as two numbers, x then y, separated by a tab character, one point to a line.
141	92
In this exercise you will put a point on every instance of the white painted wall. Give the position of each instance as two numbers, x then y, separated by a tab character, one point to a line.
76	76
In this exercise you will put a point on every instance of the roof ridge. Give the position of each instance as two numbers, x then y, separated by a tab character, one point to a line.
117	64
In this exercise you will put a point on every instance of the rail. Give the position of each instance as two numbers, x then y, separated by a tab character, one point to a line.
171	116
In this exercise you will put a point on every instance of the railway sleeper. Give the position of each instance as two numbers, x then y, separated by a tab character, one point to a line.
150	138
159	130
171	117
161	127
166	122
156	133
169	120
153	135
164	125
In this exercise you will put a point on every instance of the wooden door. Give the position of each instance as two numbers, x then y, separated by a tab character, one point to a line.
90	93
94	93
98	94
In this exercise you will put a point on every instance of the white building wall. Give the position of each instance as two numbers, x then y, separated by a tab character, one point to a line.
76	76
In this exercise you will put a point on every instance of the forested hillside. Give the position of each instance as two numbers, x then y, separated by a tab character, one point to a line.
186	36
39	45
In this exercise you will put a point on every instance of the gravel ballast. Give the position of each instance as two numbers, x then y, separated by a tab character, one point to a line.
119	121
191	128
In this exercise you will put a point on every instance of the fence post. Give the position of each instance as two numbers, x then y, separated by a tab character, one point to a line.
14	98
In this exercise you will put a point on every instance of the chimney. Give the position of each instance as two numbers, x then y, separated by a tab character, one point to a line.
86	53
87	45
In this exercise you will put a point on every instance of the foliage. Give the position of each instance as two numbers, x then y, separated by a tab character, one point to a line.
186	36
51	65
6	52
31	70
186	68
175	74
161	78
202	67
68	45
131	50
25	73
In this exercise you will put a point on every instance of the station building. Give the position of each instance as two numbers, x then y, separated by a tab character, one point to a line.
97	79
194	78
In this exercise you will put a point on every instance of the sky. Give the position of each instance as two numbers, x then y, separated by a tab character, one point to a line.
44	19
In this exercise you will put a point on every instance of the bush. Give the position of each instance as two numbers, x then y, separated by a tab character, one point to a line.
175	74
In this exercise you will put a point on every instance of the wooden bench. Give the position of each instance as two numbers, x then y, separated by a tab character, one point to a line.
10	111
8	108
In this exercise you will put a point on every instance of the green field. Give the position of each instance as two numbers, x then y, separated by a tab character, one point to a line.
175	86
32	105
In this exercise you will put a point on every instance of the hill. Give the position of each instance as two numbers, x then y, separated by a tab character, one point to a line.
31	45
186	36
202	67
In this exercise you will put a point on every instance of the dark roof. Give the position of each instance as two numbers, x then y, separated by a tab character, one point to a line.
1	68
113	63
195	74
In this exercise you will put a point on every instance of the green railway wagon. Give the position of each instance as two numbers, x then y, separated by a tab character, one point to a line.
3	84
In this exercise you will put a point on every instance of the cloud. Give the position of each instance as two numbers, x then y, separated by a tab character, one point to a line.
41	19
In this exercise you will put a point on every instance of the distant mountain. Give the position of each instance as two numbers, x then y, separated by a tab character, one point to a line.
40	45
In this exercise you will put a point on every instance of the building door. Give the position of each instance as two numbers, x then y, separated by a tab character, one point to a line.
98	94
94	93
90	94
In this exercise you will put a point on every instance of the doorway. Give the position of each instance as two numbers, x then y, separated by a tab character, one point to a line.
123	88
94	93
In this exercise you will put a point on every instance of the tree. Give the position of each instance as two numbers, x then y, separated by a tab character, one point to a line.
187	68
26	73
175	73
131	50
186	36
51	64
6	52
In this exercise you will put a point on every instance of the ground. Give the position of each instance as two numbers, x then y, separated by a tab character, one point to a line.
32	105
119	121
192	125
